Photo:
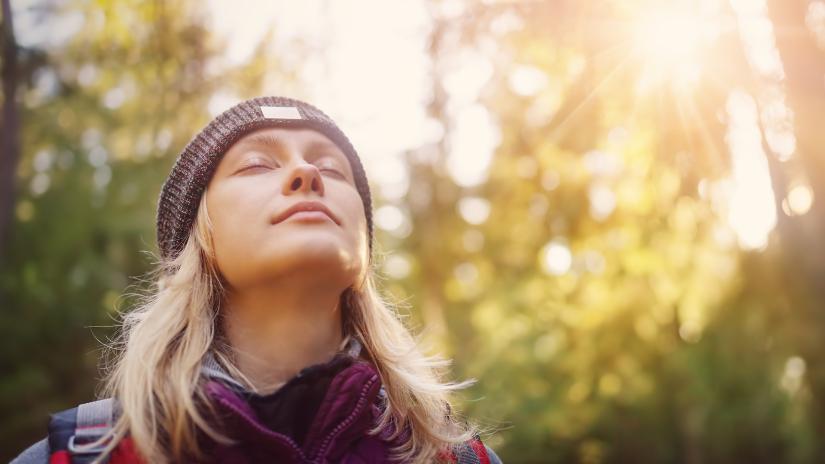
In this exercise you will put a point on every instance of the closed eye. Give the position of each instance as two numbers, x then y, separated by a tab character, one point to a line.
256	165
254	162
335	171
253	166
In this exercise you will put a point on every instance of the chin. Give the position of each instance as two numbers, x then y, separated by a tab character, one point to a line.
316	253
323	265
309	242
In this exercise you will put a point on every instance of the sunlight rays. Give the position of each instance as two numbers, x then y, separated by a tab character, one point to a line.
559	126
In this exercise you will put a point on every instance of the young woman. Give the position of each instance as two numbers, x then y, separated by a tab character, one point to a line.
264	338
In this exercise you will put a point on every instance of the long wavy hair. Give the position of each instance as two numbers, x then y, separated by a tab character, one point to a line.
154	371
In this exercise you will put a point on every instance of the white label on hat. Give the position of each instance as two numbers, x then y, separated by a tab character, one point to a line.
280	112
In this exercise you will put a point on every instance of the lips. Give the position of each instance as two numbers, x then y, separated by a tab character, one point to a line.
306	206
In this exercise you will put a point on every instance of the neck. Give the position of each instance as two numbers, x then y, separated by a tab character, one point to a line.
275	331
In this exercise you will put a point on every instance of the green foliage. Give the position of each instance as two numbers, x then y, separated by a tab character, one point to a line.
661	340
130	88
629	328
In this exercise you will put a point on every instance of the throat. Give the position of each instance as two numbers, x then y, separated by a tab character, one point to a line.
272	342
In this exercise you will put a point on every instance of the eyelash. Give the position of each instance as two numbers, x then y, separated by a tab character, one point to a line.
258	165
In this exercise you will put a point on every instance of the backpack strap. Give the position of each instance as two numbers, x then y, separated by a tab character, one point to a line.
72	430
94	420
472	451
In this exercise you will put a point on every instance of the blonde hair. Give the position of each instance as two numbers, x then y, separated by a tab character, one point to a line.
155	375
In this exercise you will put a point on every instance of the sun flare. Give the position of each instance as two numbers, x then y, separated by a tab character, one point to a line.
670	40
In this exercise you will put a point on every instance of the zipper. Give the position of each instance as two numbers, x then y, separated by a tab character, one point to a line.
359	406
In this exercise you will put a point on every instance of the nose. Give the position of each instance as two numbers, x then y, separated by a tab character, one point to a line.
304	177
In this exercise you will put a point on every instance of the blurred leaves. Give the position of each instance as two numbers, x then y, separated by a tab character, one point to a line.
592	281
104	116
610	315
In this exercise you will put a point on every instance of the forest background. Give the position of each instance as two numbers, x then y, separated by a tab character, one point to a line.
610	213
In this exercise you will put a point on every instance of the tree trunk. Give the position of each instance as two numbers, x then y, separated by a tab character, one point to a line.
804	66
801	236
9	130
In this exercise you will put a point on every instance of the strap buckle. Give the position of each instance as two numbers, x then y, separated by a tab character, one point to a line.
80	448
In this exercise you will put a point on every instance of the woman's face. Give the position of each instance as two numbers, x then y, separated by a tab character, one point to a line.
259	178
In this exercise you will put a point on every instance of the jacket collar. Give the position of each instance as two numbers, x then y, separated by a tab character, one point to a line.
211	369
350	407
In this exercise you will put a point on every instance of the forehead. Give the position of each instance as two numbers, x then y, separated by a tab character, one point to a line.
298	137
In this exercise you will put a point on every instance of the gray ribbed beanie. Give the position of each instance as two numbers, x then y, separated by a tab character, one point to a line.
194	167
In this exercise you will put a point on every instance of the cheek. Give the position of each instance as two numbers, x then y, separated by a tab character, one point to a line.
354	210
218	213
232	216
359	223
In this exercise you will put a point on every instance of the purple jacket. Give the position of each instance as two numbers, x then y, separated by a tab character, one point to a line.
322	415
333	404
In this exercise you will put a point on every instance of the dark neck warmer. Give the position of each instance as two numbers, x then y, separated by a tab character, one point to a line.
321	414
291	408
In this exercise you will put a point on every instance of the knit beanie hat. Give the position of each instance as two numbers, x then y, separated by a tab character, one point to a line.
181	193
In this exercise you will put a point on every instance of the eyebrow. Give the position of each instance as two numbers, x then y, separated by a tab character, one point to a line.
269	140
